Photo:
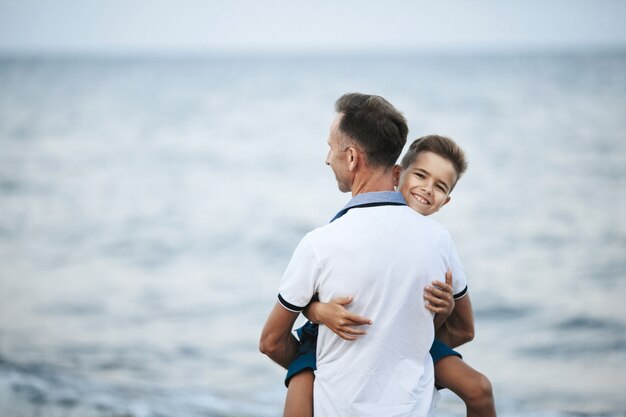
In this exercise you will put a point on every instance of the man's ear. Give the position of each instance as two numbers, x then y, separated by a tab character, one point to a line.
396	174
353	158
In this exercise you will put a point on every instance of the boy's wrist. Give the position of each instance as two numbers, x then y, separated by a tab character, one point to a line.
311	312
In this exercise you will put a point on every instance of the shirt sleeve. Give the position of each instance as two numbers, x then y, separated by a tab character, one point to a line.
299	281
459	281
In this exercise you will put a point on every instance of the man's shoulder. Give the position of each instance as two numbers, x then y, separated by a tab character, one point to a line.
406	218
322	232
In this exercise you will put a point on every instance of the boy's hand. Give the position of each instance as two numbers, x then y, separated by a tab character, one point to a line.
342	322
439	297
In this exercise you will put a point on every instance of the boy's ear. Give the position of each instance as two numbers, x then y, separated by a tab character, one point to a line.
396	174
446	202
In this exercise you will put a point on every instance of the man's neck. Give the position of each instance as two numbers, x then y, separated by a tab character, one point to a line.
379	180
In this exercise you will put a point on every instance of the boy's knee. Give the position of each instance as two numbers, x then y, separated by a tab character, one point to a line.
485	386
482	390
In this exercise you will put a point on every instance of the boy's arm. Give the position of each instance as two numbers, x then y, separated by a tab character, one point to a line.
277	342
335	316
459	327
342	322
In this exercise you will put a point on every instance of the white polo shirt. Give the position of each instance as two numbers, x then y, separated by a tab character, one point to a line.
383	256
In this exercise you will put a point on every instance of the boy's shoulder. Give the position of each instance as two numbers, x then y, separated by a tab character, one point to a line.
426	221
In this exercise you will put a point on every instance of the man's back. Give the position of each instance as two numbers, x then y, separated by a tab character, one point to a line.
383	257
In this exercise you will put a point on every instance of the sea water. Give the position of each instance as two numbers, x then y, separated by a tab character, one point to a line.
149	205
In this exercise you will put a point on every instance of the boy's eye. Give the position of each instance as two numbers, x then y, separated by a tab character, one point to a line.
419	175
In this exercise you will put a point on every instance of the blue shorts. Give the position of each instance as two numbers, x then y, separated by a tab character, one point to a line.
306	359
440	350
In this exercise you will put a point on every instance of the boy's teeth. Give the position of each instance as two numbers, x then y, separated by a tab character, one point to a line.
421	200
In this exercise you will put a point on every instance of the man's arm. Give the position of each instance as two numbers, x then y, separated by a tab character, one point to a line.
277	341
459	327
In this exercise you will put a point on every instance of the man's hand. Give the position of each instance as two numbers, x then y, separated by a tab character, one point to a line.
335	316
439	299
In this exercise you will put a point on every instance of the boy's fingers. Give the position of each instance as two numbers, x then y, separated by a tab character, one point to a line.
342	300
348	337
436	292
436	286
358	320
435	301
449	277
439	302
441	286
354	332
431	298
435	309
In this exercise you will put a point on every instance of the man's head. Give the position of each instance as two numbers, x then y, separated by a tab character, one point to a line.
368	131
430	169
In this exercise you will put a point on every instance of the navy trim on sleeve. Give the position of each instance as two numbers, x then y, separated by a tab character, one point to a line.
289	306
460	294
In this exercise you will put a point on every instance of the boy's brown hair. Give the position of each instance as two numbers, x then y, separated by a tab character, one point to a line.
439	145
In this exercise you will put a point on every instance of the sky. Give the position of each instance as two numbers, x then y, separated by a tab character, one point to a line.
305	26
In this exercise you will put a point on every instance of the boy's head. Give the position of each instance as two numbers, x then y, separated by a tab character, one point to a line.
430	169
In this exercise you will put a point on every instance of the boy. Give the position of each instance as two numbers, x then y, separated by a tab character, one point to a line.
429	171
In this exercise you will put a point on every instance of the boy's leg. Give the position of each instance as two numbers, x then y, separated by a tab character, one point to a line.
300	375
473	387
299	401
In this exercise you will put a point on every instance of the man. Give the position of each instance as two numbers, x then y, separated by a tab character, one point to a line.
381	253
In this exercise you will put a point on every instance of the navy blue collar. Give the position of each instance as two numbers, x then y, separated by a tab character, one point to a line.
379	198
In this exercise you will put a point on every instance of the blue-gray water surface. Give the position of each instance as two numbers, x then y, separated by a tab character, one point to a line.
148	207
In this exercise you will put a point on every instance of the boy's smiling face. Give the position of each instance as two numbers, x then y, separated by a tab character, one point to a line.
427	182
